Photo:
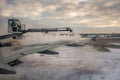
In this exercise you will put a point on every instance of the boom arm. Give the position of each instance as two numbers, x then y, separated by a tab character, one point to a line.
46	30
15	27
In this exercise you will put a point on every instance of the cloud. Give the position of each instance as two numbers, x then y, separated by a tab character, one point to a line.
21	9
88	13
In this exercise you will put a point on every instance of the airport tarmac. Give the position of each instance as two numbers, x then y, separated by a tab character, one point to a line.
73	63
77	64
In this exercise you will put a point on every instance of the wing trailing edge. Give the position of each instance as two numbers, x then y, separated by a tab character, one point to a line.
6	69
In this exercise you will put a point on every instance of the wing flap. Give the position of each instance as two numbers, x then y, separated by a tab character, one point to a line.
6	69
49	52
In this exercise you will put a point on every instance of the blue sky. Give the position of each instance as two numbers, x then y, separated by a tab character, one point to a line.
83	15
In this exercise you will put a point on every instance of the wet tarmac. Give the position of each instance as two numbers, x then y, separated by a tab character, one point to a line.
73	63
85	63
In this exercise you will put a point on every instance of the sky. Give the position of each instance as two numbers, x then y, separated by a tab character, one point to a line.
81	15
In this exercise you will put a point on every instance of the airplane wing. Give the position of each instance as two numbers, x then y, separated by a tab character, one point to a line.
10	54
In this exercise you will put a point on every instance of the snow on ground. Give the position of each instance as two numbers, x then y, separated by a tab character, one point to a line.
73	63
